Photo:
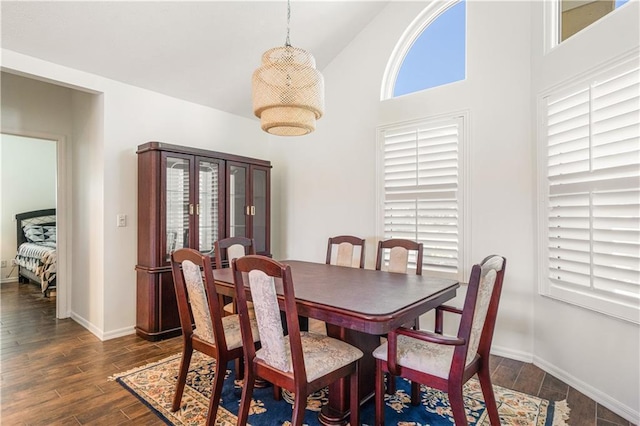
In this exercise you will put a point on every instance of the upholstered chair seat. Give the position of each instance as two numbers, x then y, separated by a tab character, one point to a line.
419	355
321	354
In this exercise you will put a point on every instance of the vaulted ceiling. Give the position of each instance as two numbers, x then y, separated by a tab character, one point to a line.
201	51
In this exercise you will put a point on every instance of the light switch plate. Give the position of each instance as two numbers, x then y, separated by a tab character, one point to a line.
121	220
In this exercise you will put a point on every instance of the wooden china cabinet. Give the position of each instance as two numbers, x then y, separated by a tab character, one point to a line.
189	197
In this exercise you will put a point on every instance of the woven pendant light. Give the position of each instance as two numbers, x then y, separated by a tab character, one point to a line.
288	91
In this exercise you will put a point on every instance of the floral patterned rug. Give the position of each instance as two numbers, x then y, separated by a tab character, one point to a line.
154	385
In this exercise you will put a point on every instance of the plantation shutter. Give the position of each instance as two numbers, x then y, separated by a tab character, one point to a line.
593	177
421	190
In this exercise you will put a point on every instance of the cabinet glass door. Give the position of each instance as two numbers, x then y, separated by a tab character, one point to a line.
237	201
177	204
259	209
207	209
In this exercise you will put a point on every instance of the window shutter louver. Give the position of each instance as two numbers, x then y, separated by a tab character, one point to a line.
421	190
593	182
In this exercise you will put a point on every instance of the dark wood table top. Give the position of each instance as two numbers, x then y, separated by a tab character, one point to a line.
360	299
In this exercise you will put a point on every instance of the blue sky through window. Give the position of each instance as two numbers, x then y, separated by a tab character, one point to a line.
437	56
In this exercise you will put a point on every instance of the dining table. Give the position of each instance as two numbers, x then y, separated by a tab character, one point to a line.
358	306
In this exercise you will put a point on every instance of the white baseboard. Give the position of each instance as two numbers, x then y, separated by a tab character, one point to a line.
9	280
87	324
512	354
100	334
600	397
119	333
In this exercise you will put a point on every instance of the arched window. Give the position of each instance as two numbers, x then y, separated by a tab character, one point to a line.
431	52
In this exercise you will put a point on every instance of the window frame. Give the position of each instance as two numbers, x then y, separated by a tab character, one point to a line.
406	42
621	307
553	21
463	198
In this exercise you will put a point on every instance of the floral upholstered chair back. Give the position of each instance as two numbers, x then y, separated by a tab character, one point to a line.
198	299
275	350
486	288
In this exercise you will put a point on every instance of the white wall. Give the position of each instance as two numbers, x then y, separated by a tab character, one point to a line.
27	182
595	353
87	202
107	127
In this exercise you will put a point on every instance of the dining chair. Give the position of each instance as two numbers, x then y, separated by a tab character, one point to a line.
346	247
214	335
393	255
225	251
446	362
301	362
399	250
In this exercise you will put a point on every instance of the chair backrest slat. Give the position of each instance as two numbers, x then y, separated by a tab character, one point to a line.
398	260
345	255
235	251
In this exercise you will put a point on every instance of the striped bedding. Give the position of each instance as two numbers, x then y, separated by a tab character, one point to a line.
40	259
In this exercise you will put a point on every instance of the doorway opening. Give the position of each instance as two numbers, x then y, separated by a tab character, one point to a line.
29	182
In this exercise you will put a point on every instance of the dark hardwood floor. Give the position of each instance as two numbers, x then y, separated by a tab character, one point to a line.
54	372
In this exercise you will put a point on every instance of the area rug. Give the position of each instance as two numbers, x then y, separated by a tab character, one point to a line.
154	385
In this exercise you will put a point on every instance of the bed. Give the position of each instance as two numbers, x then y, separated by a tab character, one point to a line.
36	257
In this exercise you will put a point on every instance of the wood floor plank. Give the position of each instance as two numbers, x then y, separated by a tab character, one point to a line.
506	373
606	417
494	361
529	379
554	389
583	409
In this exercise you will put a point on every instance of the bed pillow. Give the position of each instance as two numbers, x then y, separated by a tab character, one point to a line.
34	233
49	233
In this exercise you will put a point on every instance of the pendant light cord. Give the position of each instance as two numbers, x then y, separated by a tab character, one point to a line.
288	43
